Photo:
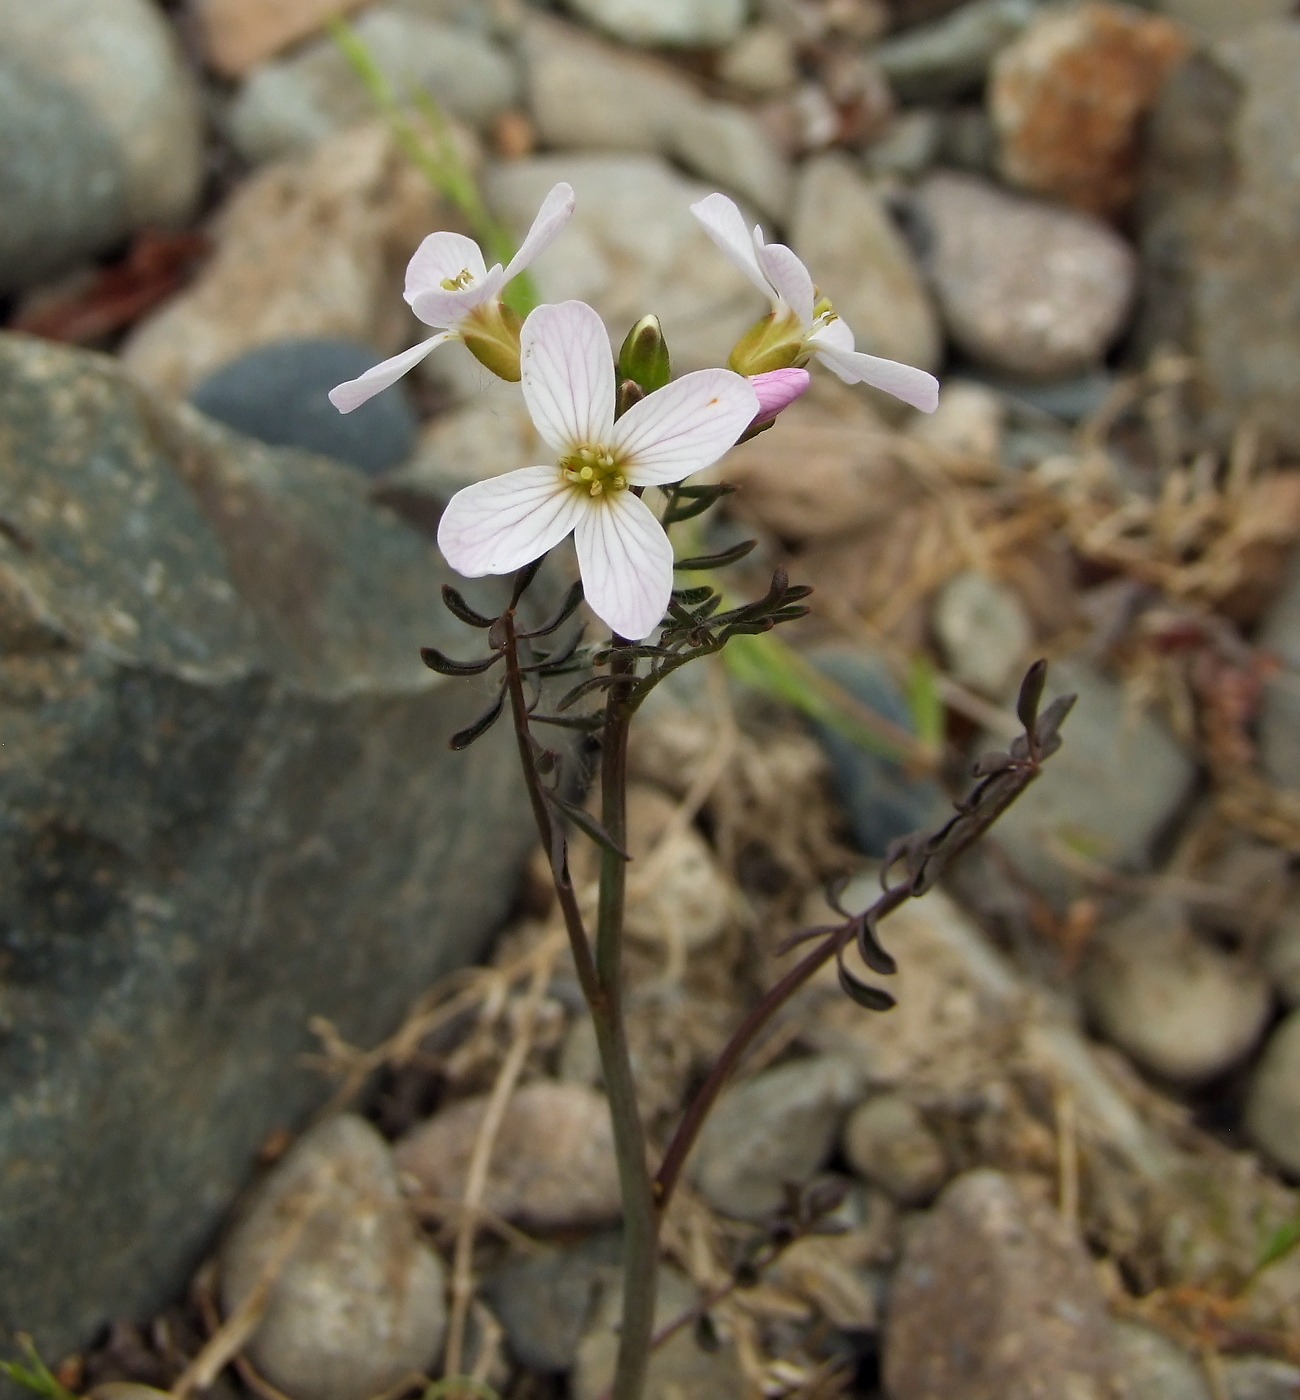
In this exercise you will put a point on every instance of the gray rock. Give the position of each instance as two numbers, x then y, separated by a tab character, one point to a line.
292	103
1181	1008
1025	287
1154	1368
858	258
226	807
951	56
1279	633
888	1143
277	394
1118	782
969	142
774	1129
104	96
467	443
690	23
728	146
1282	957
546	1301
357	1303
632	247
883	801
996	1299
909	145
762	60
1070	400
1259	1378
983	630
1273	1102
1219	209
1211	19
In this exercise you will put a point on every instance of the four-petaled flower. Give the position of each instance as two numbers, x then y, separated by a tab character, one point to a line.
624	555
449	286
801	325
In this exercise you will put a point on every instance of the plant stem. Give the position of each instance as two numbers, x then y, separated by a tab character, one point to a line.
640	1222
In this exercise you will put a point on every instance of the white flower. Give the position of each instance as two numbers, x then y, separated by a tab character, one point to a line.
449	286
625	557
775	270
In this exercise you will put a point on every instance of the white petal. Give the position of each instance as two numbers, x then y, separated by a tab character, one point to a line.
440	256
499	525
790	279
568	372
683	427
551	218
626	561
436	306
723	223
913	386
352	394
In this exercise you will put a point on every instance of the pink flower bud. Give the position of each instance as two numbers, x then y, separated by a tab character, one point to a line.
777	389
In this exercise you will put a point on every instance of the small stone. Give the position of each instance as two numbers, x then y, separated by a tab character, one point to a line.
632	243
489	434
908	146
728	146
316	247
358	1302
1259	1378
1069	96
1273	1102
545	1301
687	23
996	1299
1115	786
968	141
1154	1368
843	232
676	894
1181	1009
679	1370
763	61
289	105
775	1129
950	57
983	630
1279	634
888	1143
1282	957
239	34
1072	400
1024	287
552	1163
277	394
1212	19
968	423
881	798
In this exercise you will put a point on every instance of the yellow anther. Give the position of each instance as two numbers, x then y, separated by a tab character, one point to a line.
458	283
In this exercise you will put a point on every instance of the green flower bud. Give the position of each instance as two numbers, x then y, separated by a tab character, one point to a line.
775	342
491	335
644	357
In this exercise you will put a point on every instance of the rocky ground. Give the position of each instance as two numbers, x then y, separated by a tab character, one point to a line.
1065	1164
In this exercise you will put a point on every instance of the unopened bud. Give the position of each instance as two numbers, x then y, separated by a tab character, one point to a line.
775	342
629	392
777	390
644	358
491	335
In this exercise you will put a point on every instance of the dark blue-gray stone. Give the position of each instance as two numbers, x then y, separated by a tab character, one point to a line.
227	805
277	394
881	799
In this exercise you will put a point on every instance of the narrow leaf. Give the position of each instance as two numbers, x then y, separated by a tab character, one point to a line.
873	998
1031	694
870	950
719	560
458	607
587	824
988	764
586	723
592	683
463	738
688	597
1050	721
524	578
570	605
445	666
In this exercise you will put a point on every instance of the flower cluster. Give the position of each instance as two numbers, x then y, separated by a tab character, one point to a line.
614	430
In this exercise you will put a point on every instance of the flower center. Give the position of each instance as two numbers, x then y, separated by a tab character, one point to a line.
458	283
593	468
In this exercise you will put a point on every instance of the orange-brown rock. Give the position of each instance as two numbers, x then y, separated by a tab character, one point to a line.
1068	98
238	34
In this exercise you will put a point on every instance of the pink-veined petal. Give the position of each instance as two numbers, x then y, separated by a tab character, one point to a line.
499	525
777	389
626	562
352	394
436	306
442	255
789	277
683	427
555	212
913	386
567	367
723	222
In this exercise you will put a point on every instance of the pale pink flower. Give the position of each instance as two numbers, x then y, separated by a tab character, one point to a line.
777	389
778	273
624	555
449	286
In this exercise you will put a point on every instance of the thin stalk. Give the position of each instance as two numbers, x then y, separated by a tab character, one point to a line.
640	1222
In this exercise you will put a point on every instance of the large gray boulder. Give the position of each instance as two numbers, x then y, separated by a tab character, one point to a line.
226	806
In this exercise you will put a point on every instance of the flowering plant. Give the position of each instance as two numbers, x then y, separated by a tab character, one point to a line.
617	426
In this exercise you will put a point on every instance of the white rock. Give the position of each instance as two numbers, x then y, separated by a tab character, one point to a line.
887	1142
1273	1102
632	247
1282	958
983	630
358	1302
694	23
762	60
968	423
843	232
1180	1008
728	146
1154	1368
